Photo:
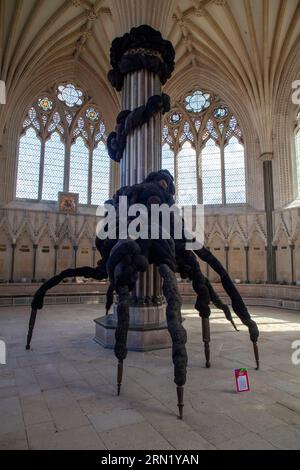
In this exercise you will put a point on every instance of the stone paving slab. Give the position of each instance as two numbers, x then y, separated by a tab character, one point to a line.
62	393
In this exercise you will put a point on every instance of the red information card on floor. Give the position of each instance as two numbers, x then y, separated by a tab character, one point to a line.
242	380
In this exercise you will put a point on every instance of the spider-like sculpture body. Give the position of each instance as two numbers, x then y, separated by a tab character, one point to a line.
123	259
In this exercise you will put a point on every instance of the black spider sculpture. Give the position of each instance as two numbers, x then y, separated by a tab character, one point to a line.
123	259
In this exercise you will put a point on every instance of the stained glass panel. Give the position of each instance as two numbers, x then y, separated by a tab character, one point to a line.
167	162
92	114
211	173
69	127
45	103
53	168
221	112
198	101
70	95
234	172
56	124
79	168
187	175
28	166
175	118
101	175
205	118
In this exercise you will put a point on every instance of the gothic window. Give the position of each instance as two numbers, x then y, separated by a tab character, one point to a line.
62	147
234	172
29	165
203	147
186	180
168	158
211	173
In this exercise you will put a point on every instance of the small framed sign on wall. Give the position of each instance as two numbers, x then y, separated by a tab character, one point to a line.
68	202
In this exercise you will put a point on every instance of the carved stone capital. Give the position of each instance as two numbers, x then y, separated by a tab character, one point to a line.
266	156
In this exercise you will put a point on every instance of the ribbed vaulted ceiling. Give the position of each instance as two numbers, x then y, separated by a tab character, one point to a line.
247	42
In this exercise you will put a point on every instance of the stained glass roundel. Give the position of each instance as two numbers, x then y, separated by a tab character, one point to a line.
221	112
198	101
175	118
45	103
92	114
70	95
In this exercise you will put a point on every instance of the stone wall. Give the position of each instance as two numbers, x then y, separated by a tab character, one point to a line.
43	242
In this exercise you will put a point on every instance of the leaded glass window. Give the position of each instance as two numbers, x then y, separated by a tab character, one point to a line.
29	165
234	172
101	171
79	170
211	173
62	147
206	143
167	159
186	180
54	161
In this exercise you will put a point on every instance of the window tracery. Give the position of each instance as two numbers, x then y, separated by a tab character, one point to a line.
62	139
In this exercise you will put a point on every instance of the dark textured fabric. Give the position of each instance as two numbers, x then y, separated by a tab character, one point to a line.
174	322
127	121
237	302
123	323
143	38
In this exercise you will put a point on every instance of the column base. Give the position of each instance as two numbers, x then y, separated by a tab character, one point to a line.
147	329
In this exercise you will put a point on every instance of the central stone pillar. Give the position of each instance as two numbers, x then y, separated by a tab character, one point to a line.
142	155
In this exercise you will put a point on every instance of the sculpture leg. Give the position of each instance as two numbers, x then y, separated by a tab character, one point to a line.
202	303
98	273
219	304
176	330
237	302
206	339
122	331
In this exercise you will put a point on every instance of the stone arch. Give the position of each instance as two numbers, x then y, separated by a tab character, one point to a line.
5	256
45	257
236	257
257	258
23	268
217	247
65	255
208	79
284	125
283	257
85	250
24	95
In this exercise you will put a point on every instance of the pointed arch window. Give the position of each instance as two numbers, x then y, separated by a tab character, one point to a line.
79	170
54	162
207	146
29	165
168	158
62	143
211	172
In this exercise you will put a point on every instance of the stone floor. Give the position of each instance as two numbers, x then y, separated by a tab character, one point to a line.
62	393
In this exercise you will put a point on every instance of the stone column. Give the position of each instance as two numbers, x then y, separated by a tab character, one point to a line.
94	255
207	266
35	247
292	248
12	269
247	263
56	247
269	207
227	257
142	155
75	249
